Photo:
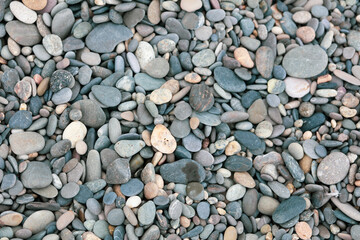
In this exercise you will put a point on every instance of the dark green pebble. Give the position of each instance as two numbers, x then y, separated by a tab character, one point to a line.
288	209
312	122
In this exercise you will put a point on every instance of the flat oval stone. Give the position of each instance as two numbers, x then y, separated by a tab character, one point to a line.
235	192
146	213
21	120
62	23
22	12
104	37
132	187
26	142
147	82
38	220
228	80
265	61
92	114
161	96
36	175
333	168
201	98
183	171
47	192
102	94
248	139
70	190
312	122
204	58
62	96
289	209
53	44
279	189
305	61
238	163
23	34
11	219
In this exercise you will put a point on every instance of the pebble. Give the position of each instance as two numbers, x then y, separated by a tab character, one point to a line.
146	213
296	87
333	168
228	80
179	119
26	142
162	139
42	179
38	220
99	40
289	209
191	171
118	172
298	64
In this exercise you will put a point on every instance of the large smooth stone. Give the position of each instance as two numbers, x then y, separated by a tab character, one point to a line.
104	37
305	61
289	209
102	94
92	114
36	175
333	168
228	81
37	221
23	34
183	171
26	142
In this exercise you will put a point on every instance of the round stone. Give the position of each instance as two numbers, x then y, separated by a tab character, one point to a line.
75	131
296	87
235	192
157	67
264	129
204	58
333	168
70	190
53	44
132	187
116	217
303	230
305	61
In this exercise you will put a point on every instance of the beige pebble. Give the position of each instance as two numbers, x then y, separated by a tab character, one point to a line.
81	147
347	112
243	57
232	148
161	96
245	179
303	230
150	190
162	139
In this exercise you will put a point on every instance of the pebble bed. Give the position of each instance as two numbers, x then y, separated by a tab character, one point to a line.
179	119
